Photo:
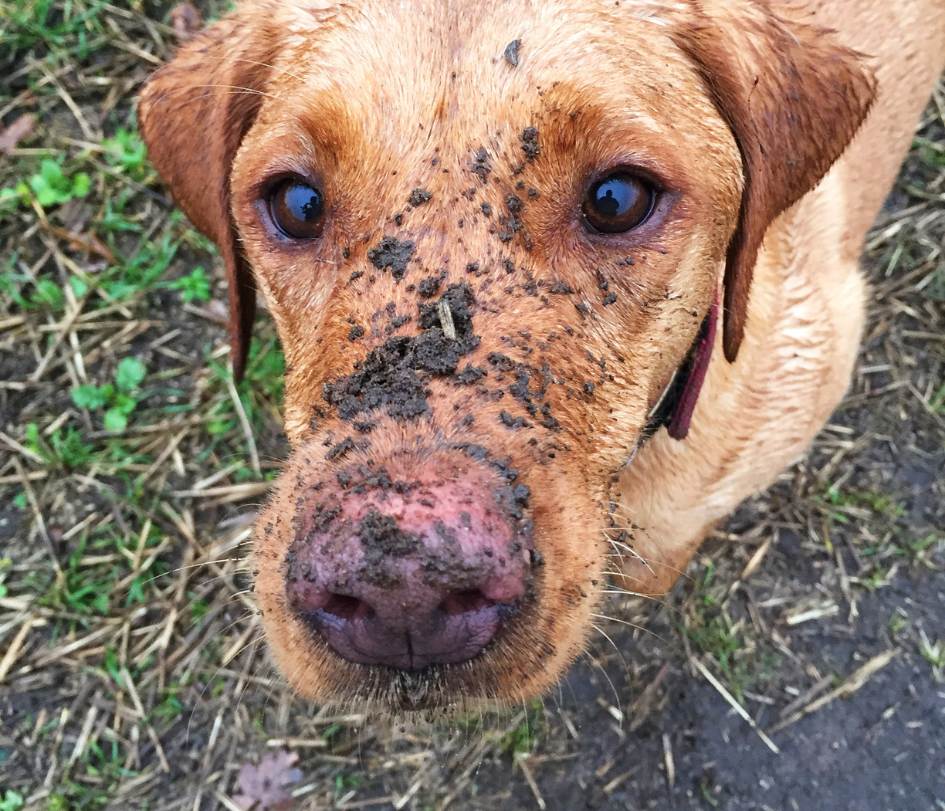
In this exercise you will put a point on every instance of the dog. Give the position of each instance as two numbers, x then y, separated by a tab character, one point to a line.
558	285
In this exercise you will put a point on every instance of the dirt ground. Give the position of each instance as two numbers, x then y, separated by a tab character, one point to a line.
800	664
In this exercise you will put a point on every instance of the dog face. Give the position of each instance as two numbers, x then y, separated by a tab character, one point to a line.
489	240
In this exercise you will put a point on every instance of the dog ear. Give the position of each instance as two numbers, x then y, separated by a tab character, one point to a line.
793	98
193	115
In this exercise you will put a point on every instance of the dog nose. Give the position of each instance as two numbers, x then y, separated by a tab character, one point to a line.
409	580
406	623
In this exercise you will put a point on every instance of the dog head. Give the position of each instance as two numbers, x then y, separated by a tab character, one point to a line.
491	236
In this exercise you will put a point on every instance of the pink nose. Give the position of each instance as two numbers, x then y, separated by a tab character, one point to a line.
412	575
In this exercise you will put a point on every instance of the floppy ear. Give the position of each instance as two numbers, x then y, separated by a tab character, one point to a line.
193	114
793	98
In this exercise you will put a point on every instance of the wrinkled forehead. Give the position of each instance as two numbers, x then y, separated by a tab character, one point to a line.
399	75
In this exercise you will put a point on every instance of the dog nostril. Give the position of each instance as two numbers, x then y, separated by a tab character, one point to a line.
463	602
343	607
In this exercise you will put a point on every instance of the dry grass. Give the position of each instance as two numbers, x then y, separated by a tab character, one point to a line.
131	669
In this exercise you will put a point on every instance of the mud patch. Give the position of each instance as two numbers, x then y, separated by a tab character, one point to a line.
459	299
382	538
394	375
392	254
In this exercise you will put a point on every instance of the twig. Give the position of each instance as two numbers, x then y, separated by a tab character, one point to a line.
735	705
858	678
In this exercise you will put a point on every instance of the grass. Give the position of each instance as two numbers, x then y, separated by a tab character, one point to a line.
117	399
131	671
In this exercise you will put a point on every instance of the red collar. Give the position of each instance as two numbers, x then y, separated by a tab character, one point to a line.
678	402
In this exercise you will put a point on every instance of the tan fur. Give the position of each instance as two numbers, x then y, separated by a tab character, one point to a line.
737	107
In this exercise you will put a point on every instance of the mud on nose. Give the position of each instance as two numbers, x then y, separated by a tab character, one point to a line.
412	575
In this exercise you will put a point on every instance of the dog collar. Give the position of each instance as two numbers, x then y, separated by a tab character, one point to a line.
676	405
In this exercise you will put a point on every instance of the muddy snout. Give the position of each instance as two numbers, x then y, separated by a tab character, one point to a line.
410	573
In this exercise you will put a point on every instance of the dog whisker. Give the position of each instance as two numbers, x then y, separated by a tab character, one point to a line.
281	71
637	594
629	625
236	90
613	687
193	566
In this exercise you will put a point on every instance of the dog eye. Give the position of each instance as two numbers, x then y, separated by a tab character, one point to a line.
618	202
297	208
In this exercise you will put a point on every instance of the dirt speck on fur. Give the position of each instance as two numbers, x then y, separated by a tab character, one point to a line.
512	422
530	145
469	375
418	197
340	449
481	164
521	388
512	52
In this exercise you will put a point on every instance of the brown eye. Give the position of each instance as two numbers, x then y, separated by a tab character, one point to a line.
619	202
297	208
